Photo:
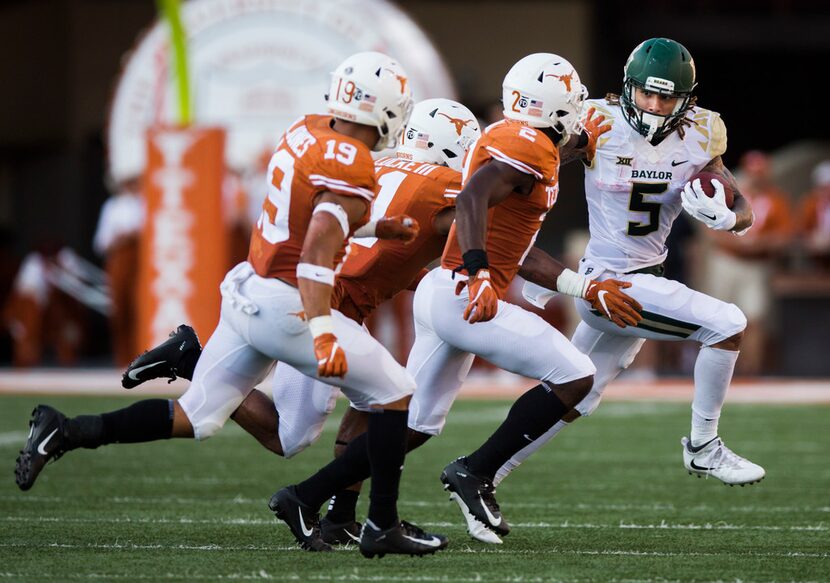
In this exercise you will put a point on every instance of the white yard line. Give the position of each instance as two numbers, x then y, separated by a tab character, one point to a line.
17	438
567	524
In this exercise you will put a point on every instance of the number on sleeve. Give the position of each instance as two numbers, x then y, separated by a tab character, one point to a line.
528	133
638	204
345	154
389	184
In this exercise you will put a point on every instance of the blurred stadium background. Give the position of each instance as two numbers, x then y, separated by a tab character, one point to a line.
84	81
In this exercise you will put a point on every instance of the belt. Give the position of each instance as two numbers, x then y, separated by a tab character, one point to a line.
657	270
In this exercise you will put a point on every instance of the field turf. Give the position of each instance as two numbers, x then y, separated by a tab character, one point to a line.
607	500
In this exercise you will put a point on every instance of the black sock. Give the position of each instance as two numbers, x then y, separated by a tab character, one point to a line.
386	448
531	415
342	506
147	420
351	467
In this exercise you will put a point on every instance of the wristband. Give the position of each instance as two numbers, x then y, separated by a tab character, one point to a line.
316	273
320	325
571	283
474	259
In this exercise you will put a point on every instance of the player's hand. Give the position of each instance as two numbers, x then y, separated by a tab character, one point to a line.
594	128
484	303
711	211
608	298
331	360
400	227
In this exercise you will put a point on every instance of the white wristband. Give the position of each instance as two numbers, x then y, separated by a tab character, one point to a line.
315	273
337	212
321	325
367	230
571	283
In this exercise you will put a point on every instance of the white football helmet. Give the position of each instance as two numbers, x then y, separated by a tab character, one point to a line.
440	131
543	90
373	89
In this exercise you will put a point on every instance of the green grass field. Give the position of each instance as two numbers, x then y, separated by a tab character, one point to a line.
608	500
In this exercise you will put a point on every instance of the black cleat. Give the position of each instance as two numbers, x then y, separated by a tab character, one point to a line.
343	533
475	496
46	442
402	539
173	358
304	522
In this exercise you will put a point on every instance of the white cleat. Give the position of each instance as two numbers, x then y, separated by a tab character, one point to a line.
716	460
476	528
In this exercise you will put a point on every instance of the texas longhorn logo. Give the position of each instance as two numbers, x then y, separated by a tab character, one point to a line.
566	79
459	123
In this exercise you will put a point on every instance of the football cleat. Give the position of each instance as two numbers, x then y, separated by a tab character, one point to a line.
46	442
475	496
167	360
403	538
303	521
343	533
715	459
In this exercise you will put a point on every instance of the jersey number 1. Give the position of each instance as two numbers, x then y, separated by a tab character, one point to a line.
638	204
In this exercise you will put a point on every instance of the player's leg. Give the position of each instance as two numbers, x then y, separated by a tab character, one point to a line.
673	311
611	354
517	341
374	381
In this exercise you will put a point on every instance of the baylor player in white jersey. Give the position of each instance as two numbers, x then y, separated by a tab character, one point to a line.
636	187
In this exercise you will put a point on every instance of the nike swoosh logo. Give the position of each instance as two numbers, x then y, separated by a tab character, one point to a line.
433	542
490	518
601	297
483	287
697	467
31	432
527	437
711	218
306	531
133	374
673	163
41	448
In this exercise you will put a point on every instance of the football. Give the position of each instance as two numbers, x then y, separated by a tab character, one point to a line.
706	183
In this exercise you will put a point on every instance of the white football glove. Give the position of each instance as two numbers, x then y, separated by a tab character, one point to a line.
711	211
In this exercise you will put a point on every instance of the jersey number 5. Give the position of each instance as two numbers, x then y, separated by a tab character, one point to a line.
638	204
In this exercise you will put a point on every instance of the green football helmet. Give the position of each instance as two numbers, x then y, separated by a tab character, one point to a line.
663	66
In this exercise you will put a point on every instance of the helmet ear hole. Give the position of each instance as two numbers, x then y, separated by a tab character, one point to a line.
561	113
449	153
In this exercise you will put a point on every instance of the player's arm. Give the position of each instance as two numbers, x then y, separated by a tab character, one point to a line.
607	296
330	224
487	187
741	207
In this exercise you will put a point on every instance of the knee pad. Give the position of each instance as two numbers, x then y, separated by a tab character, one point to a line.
589	404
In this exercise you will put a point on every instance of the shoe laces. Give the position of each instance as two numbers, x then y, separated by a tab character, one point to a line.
411	530
725	457
487	491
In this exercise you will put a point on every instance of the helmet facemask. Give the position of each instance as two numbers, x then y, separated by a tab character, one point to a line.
651	125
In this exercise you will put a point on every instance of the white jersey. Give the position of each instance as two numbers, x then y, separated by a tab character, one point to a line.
633	188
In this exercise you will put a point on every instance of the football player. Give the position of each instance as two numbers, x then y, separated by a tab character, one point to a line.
510	183
636	186
276	307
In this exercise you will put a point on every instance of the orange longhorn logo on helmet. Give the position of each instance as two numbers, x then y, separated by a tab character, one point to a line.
566	79
401	79
459	123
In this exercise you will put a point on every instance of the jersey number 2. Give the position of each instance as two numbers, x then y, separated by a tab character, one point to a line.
638	204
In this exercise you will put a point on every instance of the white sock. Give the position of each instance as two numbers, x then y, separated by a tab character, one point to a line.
521	455
713	372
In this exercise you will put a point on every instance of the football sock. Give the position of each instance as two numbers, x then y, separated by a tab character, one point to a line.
713	372
147	420
533	414
342	506
520	456
343	471
386	448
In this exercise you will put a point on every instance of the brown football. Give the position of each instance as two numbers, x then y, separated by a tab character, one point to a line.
706	183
